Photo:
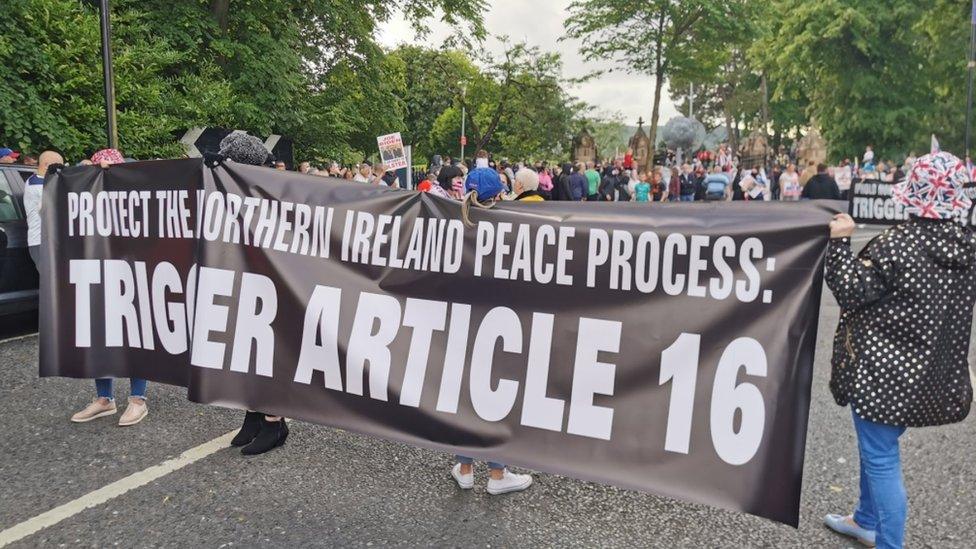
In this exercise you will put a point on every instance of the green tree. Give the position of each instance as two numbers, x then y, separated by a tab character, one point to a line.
261	66
609	133
343	118
943	40
857	61
517	106
660	38
432	80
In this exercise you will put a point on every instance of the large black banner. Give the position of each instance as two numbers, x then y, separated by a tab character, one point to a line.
665	348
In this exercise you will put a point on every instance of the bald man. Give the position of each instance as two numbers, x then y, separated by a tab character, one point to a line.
32	203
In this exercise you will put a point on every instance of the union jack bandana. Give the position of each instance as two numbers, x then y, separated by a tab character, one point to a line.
934	188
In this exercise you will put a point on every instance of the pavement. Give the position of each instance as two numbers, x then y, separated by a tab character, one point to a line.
130	487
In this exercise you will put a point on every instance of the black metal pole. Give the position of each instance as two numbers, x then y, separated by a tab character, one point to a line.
111	128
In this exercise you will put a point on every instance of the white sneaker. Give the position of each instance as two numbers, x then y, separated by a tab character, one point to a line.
510	482
465	482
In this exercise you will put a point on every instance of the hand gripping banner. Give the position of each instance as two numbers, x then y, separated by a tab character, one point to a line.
660	348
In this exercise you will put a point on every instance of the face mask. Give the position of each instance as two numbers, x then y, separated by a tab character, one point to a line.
481	162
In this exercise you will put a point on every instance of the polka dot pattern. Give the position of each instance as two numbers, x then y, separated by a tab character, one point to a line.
901	348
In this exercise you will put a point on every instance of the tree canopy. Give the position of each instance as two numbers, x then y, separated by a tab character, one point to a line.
310	69
880	72
659	38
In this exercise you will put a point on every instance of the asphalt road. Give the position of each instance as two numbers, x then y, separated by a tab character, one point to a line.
328	488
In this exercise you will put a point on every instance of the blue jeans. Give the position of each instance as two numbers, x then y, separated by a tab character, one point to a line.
687	198
137	387
883	506
468	461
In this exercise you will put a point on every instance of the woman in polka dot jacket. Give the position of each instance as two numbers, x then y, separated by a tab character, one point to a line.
900	352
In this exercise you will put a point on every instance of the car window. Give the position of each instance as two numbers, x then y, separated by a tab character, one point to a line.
8	210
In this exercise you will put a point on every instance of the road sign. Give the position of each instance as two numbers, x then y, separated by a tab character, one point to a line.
199	141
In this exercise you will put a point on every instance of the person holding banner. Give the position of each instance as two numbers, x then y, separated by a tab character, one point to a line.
260	432
104	403
482	176
500	479
527	186
901	348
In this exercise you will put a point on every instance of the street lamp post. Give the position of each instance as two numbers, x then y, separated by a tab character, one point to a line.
111	128
464	93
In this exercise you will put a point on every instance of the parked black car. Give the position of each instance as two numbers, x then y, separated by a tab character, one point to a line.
18	276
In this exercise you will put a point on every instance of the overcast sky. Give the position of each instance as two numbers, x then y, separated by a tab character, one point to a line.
541	24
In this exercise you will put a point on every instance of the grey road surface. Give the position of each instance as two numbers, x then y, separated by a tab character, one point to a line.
328	488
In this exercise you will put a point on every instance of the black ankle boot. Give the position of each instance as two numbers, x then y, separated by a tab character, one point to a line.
252	424
271	436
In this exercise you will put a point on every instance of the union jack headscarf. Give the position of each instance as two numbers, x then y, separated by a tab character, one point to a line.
934	187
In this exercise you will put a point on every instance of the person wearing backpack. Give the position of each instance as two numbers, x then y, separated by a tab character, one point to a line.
717	186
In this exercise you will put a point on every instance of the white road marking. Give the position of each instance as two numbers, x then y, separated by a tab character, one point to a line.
18	338
136	480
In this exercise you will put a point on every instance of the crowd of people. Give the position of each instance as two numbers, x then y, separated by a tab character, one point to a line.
884	366
707	176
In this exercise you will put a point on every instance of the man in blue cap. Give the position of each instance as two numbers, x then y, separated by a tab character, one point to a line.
483	179
8	156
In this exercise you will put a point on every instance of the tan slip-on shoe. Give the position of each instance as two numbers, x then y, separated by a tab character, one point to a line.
94	410
135	412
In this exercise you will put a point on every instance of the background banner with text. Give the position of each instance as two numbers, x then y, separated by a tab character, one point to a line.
871	203
664	348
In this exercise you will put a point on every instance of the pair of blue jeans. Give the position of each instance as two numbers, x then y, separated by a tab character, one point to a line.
468	461
883	506
687	198
104	387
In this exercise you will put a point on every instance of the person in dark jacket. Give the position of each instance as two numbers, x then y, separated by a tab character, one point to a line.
608	185
687	184
562	188
674	186
578	184
623	187
901	349
821	186
260	432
